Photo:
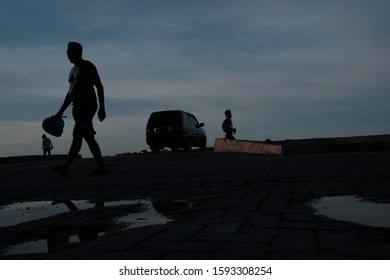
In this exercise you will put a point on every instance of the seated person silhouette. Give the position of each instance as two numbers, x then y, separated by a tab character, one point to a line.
227	126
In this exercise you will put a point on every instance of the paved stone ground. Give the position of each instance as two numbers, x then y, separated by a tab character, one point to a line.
234	206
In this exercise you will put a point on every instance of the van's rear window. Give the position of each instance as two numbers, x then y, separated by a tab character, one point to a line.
168	118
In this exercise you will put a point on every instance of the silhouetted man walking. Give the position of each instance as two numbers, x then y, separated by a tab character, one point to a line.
82	79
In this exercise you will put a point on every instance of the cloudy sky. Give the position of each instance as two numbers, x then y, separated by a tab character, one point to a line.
287	69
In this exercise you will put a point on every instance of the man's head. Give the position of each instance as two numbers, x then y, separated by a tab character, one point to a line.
74	52
228	113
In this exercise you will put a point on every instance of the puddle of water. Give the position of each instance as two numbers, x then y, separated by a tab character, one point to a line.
353	209
142	219
149	214
32	247
41	246
21	212
28	211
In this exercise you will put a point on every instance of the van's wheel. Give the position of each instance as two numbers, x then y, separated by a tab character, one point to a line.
155	150
174	149
204	144
188	146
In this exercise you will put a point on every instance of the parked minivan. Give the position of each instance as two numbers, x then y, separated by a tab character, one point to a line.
174	129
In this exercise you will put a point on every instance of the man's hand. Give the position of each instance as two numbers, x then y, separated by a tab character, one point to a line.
101	114
58	115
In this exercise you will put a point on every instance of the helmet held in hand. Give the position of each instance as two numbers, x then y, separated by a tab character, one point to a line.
54	126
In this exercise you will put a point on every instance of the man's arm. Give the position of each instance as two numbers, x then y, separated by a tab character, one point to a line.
65	105
100	94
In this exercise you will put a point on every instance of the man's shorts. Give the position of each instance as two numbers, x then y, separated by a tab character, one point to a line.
83	115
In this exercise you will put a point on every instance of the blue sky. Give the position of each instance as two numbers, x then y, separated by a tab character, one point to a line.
287	69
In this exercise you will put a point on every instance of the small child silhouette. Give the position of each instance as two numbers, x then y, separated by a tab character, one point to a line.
227	126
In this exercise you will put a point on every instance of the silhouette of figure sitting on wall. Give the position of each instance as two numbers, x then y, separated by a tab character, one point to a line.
227	126
47	146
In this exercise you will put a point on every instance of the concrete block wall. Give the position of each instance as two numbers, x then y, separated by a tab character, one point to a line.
246	146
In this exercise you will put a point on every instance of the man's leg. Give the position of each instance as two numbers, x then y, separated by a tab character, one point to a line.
97	154
72	155
229	135
73	151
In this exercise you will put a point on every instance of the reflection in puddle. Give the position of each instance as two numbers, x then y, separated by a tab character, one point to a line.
354	209
141	213
32	247
144	218
44	245
21	212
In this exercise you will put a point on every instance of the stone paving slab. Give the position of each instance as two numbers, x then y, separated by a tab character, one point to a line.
220	206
